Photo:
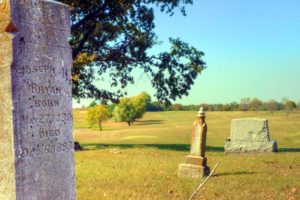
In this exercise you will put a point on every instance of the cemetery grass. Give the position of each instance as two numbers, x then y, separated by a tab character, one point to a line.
141	161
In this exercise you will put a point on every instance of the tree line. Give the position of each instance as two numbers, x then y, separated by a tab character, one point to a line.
129	109
246	104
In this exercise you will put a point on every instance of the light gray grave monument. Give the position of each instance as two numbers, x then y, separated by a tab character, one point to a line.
249	135
36	128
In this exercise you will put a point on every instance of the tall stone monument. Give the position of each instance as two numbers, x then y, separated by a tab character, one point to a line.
249	135
36	128
195	165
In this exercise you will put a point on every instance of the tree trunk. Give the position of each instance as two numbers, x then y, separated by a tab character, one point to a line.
100	126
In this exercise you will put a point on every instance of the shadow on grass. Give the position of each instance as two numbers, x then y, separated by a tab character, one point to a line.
289	150
235	173
148	122
174	147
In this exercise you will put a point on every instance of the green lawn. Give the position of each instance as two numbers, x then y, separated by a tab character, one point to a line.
141	161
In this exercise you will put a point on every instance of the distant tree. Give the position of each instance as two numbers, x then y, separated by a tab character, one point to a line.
289	105
111	108
244	105
124	111
271	105
218	107
192	107
155	106
140	102
226	107
144	97
97	115
234	106
280	106
176	107
204	105
255	104
130	109
298	105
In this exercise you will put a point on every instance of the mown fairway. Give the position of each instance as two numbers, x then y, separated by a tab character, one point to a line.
140	162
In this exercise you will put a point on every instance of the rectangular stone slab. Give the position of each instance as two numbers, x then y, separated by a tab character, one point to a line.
249	130
36	127
192	171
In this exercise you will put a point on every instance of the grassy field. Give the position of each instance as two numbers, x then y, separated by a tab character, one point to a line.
141	161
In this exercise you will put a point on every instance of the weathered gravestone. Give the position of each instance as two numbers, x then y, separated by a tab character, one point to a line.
249	136
36	139
195	165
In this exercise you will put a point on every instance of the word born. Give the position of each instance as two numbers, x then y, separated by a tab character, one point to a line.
46	103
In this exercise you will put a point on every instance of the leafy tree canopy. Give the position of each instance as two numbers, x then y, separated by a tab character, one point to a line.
255	104
93	103
290	105
130	109
113	37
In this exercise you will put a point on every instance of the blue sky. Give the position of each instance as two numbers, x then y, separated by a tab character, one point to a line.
252	49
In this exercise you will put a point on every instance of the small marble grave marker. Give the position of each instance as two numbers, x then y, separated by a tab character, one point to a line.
36	125
196	163
249	135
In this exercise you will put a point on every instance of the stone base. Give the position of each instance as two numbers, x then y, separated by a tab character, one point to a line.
232	147
195	160
193	171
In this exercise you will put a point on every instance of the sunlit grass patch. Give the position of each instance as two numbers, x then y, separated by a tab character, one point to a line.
141	161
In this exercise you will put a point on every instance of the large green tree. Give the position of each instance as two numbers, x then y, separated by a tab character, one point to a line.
114	37
131	108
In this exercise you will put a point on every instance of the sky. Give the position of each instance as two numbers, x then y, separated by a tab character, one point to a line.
252	49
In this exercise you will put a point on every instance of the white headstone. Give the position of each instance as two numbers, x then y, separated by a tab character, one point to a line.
249	135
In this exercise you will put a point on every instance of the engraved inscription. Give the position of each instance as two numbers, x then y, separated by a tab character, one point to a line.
37	69
46	103
43	119
48	133
41	89
45	148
